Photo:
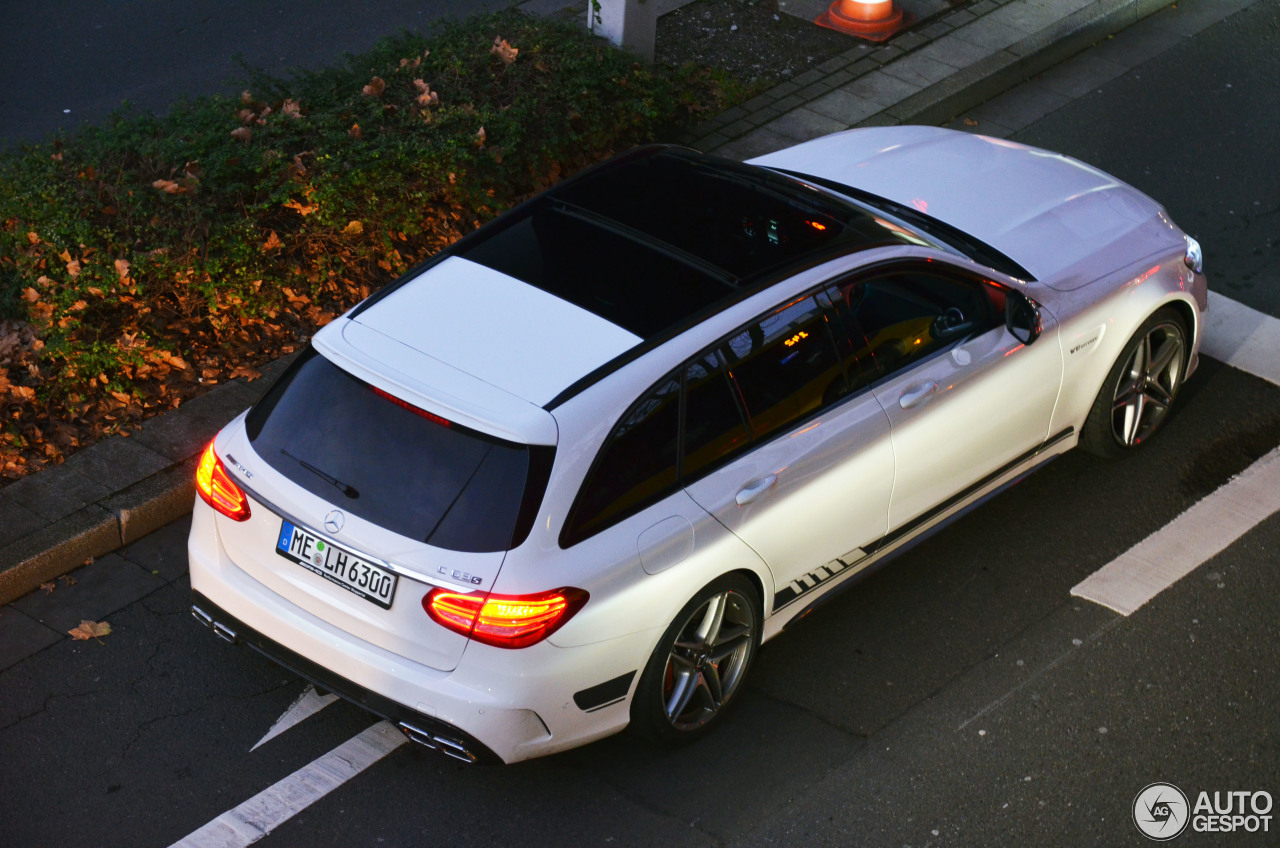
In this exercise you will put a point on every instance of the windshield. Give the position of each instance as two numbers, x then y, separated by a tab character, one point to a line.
943	234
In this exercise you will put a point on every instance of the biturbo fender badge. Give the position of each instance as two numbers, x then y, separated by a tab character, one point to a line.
1087	342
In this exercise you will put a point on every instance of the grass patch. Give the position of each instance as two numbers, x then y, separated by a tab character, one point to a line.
146	259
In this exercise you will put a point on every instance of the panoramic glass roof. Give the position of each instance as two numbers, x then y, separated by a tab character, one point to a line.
653	239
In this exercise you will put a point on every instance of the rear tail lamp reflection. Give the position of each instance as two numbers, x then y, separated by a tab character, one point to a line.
504	621
218	489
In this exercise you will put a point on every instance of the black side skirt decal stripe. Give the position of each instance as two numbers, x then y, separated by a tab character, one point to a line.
823	573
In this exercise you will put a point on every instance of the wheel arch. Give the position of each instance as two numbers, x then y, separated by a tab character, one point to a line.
1190	321
758	583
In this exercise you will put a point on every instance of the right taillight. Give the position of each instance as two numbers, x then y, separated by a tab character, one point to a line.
504	621
218	489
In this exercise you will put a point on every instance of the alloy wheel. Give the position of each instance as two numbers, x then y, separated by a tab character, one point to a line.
1147	385
708	660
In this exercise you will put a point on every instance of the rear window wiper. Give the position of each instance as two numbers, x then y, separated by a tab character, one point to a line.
347	490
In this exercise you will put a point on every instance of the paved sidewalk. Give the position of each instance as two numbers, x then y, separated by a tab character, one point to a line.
933	71
121	489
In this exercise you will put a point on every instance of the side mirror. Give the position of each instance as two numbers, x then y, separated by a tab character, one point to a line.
1022	317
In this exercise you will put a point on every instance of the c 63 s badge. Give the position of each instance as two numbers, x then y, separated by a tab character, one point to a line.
460	576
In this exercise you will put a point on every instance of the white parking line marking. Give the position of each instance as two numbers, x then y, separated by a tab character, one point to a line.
275	805
1169	554
307	704
1242	337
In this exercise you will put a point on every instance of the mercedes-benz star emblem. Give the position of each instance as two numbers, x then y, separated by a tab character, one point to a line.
333	521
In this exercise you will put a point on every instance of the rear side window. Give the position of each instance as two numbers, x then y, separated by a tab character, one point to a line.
713	425
636	467
399	467
785	367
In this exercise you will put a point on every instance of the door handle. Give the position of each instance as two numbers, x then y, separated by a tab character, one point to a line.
917	394
755	489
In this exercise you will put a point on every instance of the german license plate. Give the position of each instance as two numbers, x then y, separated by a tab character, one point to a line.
349	570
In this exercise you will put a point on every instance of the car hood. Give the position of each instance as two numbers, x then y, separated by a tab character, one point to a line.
1064	221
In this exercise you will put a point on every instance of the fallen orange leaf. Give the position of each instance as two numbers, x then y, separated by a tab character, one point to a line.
90	630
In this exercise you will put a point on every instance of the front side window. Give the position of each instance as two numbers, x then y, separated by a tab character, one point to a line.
907	315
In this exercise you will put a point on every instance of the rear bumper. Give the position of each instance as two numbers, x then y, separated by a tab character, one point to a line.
512	704
420	728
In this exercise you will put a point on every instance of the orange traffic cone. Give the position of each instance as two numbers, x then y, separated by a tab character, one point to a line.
873	20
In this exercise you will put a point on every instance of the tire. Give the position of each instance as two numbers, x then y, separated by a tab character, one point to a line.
697	671
1140	389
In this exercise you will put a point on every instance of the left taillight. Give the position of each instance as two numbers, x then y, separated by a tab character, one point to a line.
504	621
218	489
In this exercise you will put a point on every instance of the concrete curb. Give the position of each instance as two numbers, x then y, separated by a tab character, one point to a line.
121	489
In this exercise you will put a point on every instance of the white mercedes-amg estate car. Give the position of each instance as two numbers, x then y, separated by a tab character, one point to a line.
569	474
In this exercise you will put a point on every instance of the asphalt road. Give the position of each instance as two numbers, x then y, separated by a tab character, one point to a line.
64	63
1198	129
959	697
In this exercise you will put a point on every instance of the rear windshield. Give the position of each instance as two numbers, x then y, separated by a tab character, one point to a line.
397	466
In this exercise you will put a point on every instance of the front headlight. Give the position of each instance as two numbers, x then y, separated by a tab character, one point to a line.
1194	257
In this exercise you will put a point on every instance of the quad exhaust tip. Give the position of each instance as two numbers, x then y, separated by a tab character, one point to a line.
219	629
443	744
